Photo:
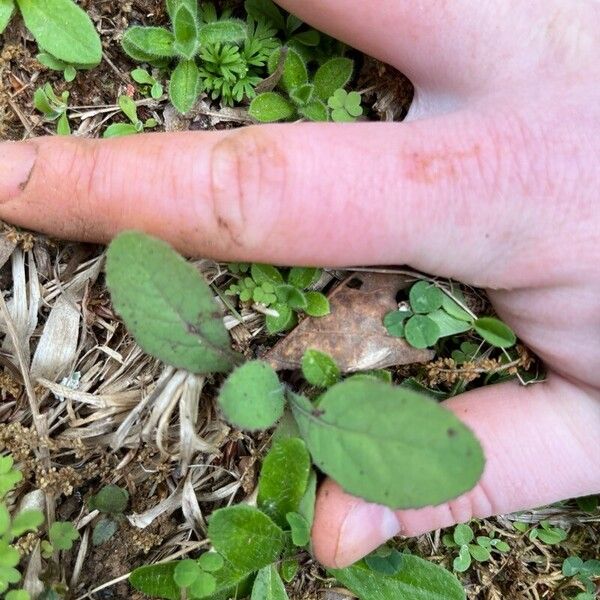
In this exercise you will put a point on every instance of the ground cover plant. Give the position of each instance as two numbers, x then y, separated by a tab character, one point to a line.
62	30
149	475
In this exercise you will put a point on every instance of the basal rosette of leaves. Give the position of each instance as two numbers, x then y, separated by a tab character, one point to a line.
204	52
63	31
361	444
299	95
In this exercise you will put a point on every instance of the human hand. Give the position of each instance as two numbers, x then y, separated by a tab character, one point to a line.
494	182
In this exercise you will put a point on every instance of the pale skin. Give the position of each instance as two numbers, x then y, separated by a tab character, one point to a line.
493	180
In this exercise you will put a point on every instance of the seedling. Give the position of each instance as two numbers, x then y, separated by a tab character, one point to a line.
135	125
584	572
545	532
471	548
111	501
150	85
61	29
300	97
286	295
53	107
433	314
345	106
222	56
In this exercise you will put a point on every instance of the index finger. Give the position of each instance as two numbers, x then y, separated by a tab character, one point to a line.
416	193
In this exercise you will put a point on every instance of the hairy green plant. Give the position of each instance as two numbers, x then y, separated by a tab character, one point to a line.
135	125
298	96
471	548
150	86
285	294
53	107
173	315
222	56
433	314
61	29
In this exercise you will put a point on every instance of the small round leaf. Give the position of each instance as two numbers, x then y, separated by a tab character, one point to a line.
252	397
211	562
186	572
425	297
421	332
319	369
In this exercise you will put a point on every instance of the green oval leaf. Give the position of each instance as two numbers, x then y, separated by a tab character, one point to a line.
271	107
303	277
167	305
185	29
417	579
246	537
463	534
425	297
146	44
319	369
184	86
268	585
453	308
63	29
266	274
495	332
228	31
479	553
447	324
394	322
317	304
300	529
119	130
315	111
103	531
294	69
284	322
331	76
252	396
283	479
366	432
111	499
421	332
292	296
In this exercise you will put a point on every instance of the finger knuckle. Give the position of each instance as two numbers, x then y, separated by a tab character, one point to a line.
248	176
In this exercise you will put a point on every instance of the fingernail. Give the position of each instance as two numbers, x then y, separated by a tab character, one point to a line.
364	529
16	163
